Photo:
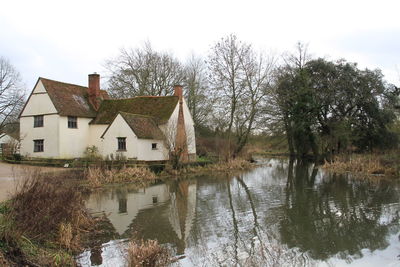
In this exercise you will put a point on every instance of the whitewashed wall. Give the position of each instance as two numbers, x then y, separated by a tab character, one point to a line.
94	138
73	142
169	129
145	151
39	102
49	133
4	139
189	127
140	149
119	128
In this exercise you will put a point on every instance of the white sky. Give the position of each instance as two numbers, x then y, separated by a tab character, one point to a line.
66	40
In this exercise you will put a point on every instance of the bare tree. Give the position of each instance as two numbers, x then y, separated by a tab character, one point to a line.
197	93
241	79
227	75
143	71
257	83
11	93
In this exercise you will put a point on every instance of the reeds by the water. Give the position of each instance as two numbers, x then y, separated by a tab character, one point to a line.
139	175
367	165
147	254
44	220
228	166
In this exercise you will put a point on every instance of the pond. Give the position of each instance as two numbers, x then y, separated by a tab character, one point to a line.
278	214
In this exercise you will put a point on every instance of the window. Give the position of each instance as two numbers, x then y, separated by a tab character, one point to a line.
154	146
38	145
38	121
122	205
72	122
121	143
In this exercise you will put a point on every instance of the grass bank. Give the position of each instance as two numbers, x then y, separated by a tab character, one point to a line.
229	166
140	176
44	222
367	165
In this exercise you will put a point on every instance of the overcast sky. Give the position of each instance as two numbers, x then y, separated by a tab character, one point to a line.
66	40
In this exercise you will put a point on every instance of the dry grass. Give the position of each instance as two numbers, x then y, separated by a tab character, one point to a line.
42	223
138	175
229	166
41	205
366	165
3	261
147	254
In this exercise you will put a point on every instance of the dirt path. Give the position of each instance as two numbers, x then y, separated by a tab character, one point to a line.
10	174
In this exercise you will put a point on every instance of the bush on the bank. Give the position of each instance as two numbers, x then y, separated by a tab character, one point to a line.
147	254
140	175
41	204
231	165
43	220
387	164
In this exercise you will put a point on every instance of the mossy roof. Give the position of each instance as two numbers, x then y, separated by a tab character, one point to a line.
160	108
70	99
144	127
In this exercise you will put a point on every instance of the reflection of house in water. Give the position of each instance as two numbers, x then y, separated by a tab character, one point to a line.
164	212
121	206
170	223
182	211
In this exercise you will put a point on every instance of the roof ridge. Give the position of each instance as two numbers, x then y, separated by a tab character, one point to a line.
137	115
42	78
155	96
135	97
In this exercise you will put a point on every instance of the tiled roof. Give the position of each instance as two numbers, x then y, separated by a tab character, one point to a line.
70	99
144	127
160	108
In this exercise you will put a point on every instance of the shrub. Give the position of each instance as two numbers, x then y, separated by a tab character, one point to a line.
91	153
42	222
41	205
366	165
147	254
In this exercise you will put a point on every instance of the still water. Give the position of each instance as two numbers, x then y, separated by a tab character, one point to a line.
279	214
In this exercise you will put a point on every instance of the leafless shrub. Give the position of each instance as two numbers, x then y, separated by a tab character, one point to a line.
147	254
44	207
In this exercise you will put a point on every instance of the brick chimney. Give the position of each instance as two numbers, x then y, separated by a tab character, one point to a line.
94	90
181	137
178	91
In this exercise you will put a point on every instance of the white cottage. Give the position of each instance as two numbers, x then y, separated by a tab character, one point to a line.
9	138
61	120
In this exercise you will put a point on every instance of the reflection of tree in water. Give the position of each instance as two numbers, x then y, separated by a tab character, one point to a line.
244	242
342	215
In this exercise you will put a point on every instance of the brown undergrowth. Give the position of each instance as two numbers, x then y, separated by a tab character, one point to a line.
141	176
147	254
231	165
367	165
43	222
